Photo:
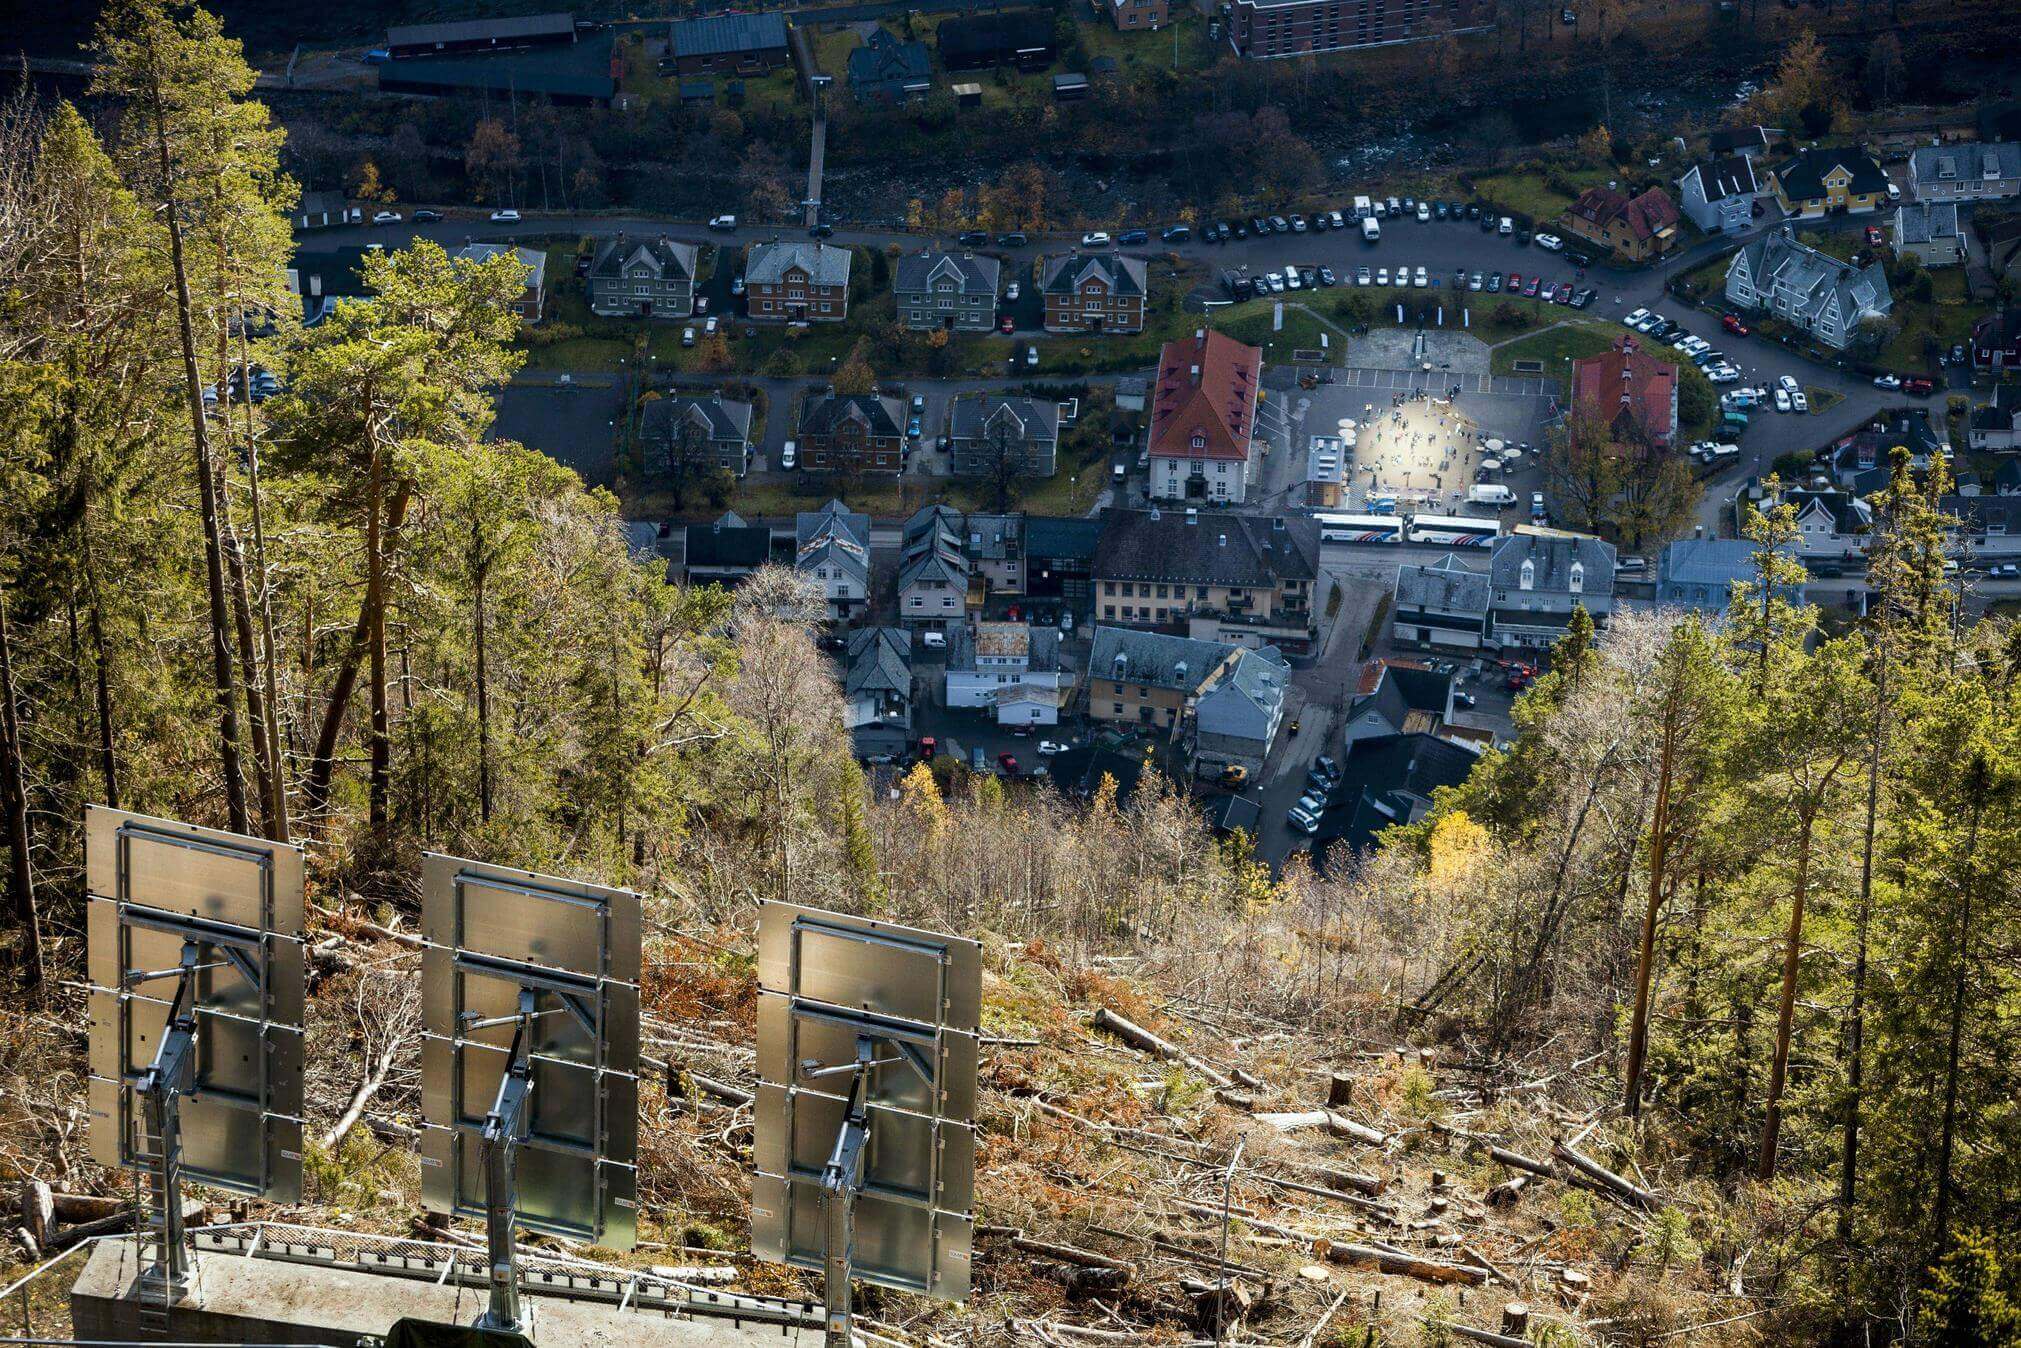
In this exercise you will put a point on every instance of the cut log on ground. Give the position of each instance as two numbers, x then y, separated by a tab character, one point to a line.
1138	1037
1334	1122
1506	1193
1066	1254
1604	1177
1485	1336
1410	1266
193	1214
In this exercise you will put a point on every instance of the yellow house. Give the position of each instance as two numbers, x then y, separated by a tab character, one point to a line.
1818	182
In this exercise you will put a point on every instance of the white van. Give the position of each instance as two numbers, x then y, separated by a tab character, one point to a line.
1371	229
1490	493
1507	226
1364	209
788	457
933	641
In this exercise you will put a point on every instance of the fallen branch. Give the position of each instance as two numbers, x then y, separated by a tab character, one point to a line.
1484	1335
1066	1254
58	1242
1335	1123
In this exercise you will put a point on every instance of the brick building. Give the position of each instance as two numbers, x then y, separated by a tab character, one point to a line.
1267	29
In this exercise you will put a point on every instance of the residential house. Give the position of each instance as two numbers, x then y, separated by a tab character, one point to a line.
933	572
1134	15
1250	579
957	291
1930	232
1996	425
877	690
2003	246
1150	678
995	435
1203	416
1020	38
1718	195
322	280
1237	714
1638	228
832	545
890	69
1094	292
852	433
1132	394
684	429
534	295
2007	478
1965	173
995	550
1863	461
725	552
1060	561
1385	780
1701	573
322	210
1806	288
743	44
1442	604
1399	697
1829	181
1633	395
797	281
642	278
1538	581
1996	340
1831	528
1012	668
1984	528
1265	30
1750	142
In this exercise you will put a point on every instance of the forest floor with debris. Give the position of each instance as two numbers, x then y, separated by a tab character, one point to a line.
1144	1163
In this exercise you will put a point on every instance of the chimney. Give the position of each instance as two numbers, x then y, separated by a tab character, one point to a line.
1179	671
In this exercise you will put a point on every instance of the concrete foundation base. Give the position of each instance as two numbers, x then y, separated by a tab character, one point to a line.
236	1300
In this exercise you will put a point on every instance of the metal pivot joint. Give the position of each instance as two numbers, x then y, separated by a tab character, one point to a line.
161	1088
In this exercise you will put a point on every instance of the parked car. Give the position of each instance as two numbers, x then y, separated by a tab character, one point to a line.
1326	277
1873	236
1507	226
1298	223
386	217
973	238
722	223
1095	238
1475	281
1131	238
505	217
1362	276
933	641
1494	286
1732	323
1032	356
1798	402
1047	748
1014	239
1010	293
1782	402
1008	761
1234	775
425	217
1634	317
1919	386
1424	212
1302	821
1888	381
1177	234
1550	243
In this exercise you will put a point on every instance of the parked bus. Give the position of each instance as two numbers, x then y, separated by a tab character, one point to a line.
1360	528
1451	531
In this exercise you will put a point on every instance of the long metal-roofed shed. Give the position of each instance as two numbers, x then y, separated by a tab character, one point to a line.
578	74
480	35
745	43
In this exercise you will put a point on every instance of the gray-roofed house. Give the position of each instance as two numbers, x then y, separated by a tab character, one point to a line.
1441	604
323	280
1060	560
747	44
1719	194
1237	715
1741	140
1094	292
933	571
1996	425
684	430
1700	573
1988	527
464	36
1010	667
889	69
1537	582
852	433
994	544
832	545
1980	171
1930	232
643	278
877	690
938	289
322	210
1809	289
575	72
1862	460
996	434
1385	780
1150	678
534	294
725	551
1397	697
1831	525
1244	578
797	281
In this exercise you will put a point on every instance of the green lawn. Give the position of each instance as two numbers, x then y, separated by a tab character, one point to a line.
1554	348
1143	48
1946	319
1530	191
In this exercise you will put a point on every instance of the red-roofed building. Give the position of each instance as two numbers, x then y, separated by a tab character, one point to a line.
1635	227
1629	393
1203	414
